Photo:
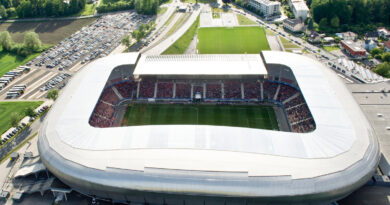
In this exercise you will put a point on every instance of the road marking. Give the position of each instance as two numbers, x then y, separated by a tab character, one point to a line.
39	83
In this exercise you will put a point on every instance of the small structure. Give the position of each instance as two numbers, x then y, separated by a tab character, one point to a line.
4	195
386	45
14	156
293	25
369	45
17	196
349	36
328	39
314	37
299	9
383	32
353	49
182	8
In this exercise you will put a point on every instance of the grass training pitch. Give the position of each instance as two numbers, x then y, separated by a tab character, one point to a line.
8	108
251	116
236	40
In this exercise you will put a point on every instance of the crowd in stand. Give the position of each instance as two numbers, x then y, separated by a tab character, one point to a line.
183	90
252	90
213	91
232	90
297	111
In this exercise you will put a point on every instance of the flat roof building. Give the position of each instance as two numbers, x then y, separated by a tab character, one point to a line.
267	7
299	9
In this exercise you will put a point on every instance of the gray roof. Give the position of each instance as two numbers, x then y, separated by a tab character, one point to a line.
342	146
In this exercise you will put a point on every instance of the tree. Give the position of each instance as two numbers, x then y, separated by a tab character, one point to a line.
323	24
32	42
52	94
335	22
226	1
376	51
6	41
29	112
3	12
386	57
126	41
310	24
383	69
15	118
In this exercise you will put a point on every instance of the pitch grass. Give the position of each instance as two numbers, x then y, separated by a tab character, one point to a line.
251	116
8	108
50	32
236	40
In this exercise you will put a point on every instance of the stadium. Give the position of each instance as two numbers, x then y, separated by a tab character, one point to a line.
264	128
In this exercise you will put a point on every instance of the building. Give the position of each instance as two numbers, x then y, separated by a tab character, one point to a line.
369	45
299	9
314	37
349	36
353	49
293	25
267	7
384	33
203	164
386	45
371	35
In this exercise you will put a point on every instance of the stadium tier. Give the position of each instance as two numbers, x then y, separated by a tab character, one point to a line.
245	129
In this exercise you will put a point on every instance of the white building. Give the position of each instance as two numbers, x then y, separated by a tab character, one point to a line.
268	8
299	9
369	45
294	25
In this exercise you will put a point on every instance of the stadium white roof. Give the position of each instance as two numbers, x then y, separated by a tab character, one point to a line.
249	64
323	160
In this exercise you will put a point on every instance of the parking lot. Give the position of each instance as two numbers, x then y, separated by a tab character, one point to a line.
53	68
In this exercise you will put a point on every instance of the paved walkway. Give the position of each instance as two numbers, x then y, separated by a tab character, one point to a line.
157	50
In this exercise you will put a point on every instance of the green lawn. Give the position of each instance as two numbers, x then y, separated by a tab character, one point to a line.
221	40
331	48
243	20
288	44
7	108
262	117
181	45
162	10
88	10
10	61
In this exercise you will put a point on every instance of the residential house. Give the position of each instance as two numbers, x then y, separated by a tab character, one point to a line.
294	25
349	36
314	37
383	32
386	45
372	35
369	44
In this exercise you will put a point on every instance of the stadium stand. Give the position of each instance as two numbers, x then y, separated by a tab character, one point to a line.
281	93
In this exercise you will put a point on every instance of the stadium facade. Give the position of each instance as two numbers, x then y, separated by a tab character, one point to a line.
202	164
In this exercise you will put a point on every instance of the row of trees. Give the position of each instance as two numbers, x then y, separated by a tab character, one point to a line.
138	34
356	15
30	45
16	117
148	7
39	8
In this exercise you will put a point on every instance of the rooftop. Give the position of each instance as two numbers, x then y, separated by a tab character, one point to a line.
249	64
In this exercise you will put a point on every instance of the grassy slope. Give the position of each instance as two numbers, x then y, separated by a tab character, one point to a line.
88	10
50	32
7	108
232	40
262	117
242	20
180	46
331	48
287	44
10	61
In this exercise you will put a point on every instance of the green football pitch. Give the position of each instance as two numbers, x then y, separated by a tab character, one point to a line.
262	117
236	40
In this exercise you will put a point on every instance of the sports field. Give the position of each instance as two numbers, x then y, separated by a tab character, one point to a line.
222	40
262	117
8	108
